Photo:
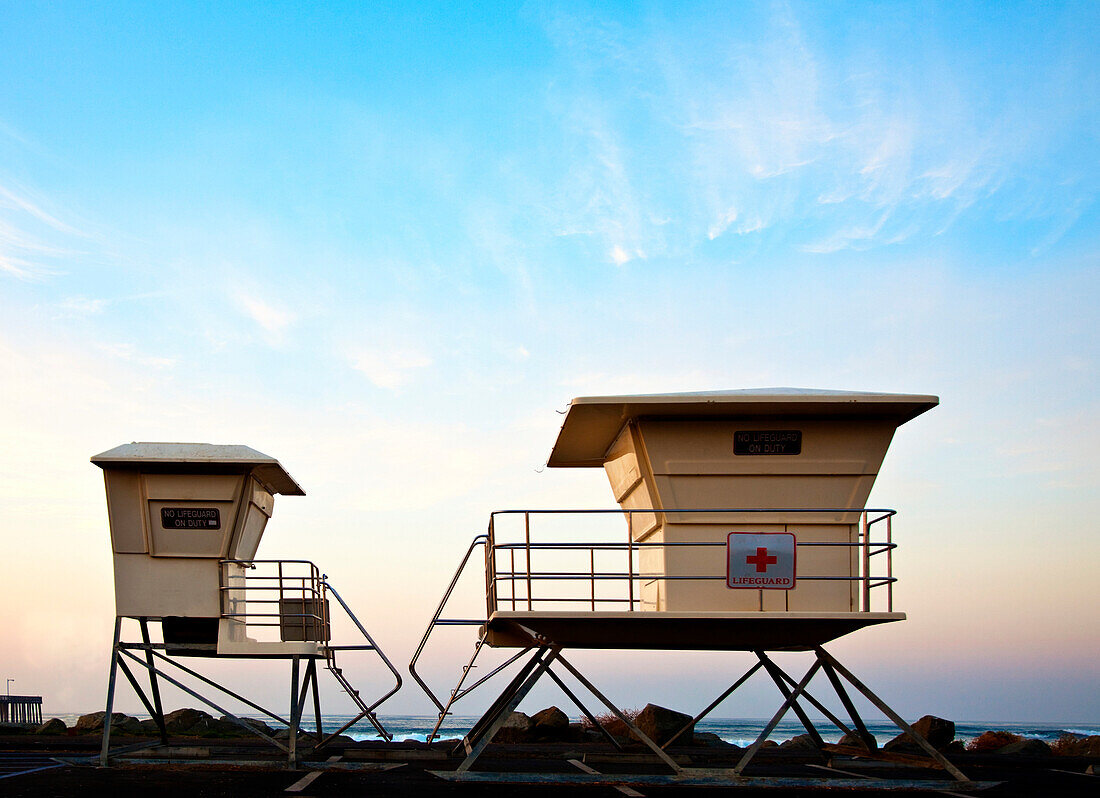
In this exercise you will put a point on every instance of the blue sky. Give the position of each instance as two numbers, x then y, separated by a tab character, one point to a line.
386	245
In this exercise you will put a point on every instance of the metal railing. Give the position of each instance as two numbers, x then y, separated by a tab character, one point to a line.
292	596
512	575
287	595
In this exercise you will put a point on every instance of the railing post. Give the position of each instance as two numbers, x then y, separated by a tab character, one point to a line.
490	570
889	564
630	559
527	543
592	573
866	563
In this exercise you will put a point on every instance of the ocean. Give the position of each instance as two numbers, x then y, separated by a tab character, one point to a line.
738	731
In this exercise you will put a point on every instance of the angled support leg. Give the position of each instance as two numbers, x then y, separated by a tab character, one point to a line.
779	677
584	710
824	710
490	714
506	709
122	666
110	695
868	739
710	708
154	688
198	696
641	736
316	700
824	656
778	716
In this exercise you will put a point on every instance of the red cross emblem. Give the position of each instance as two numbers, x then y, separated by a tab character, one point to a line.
761	560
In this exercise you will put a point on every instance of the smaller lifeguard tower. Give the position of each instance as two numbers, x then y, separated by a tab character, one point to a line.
746	529
186	521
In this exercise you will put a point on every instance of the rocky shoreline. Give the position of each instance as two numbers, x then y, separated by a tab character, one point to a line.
552	725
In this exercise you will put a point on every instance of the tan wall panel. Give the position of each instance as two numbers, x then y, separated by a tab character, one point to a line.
193	487
155	587
124	511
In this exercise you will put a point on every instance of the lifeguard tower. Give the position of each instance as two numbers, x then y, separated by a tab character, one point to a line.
186	521
746	529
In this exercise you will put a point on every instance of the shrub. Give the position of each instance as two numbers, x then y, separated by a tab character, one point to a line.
992	740
610	722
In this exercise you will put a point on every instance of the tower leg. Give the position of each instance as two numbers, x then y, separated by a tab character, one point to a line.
824	657
154	688
295	715
110	695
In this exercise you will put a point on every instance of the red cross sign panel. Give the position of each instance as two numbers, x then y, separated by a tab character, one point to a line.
760	560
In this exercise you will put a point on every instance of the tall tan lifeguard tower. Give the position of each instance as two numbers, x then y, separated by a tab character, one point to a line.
746	529
186	521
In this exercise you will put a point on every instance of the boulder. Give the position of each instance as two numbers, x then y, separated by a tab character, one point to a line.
659	724
231	727
191	723
52	726
802	742
1070	744
1029	747
127	725
550	724
197	723
939	732
935	730
517	729
93	723
854	740
992	741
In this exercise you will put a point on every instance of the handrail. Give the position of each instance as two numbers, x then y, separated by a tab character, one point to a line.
312	620
479	540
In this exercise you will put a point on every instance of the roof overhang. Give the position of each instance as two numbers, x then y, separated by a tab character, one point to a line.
198	457
594	422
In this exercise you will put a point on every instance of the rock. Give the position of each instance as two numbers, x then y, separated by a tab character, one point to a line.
52	726
769	744
251	722
1031	747
550	724
659	724
854	740
992	741
149	726
93	722
516	729
127	725
939	732
1070	744
188	722
711	740
14	728
802	742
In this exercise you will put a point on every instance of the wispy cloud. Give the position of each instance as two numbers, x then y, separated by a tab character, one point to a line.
271	319
30	237
390	369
